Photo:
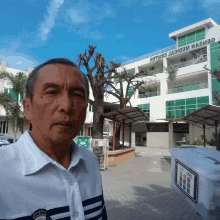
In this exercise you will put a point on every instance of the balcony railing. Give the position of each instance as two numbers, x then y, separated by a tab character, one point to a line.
188	88
150	94
194	61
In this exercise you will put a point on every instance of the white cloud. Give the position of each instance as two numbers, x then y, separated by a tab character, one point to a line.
19	62
138	20
120	35
77	16
49	21
176	8
148	2
86	14
127	3
86	33
122	58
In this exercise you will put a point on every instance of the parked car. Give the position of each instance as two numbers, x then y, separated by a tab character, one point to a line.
4	140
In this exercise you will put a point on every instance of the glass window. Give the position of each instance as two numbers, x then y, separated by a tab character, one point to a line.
4	127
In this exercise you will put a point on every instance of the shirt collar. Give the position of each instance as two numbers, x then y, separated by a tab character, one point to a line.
34	159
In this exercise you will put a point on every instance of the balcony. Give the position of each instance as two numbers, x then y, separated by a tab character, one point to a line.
200	59
188	88
150	94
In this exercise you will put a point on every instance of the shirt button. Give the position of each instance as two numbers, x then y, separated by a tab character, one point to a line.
77	214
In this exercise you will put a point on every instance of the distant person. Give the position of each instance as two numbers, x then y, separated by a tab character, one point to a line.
45	174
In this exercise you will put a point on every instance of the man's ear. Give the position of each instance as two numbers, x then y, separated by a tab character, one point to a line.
27	108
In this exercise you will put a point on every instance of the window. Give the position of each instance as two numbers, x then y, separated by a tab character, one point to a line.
81	133
3	127
90	131
160	127
91	108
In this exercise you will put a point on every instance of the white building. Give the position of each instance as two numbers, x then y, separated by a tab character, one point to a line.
195	46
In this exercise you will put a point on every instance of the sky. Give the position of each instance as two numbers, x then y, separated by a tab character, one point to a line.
34	31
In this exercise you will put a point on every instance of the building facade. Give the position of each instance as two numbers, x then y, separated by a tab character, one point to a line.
195	46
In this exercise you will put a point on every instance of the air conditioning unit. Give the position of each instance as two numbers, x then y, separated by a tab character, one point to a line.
183	60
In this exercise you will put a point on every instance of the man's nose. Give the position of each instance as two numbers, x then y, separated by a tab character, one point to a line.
66	103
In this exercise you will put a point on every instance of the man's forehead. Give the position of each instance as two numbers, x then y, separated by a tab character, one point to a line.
57	73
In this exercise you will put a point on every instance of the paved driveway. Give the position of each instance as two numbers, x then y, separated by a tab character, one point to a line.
141	189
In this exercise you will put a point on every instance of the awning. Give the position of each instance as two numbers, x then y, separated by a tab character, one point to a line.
130	115
209	114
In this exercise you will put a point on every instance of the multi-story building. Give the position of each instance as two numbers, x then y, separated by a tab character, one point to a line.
195	46
5	87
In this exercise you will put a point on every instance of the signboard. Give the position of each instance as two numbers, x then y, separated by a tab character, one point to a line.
83	141
184	48
187	181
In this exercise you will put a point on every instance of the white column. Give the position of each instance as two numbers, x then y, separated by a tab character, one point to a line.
209	74
3	68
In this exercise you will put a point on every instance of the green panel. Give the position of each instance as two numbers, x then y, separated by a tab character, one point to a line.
200	34
146	106
202	105
202	100
116	79
170	103
5	90
170	114
181	41
191	106
191	37
180	113
180	102
191	101
190	110
13	94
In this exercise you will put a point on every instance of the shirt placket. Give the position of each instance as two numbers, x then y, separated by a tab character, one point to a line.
73	195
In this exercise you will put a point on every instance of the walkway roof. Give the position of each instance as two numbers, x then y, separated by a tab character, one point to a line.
205	115
130	115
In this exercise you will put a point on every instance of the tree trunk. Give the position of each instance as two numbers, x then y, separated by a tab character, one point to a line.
123	103
98	119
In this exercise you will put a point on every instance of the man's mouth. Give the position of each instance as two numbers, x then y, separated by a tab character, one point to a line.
65	125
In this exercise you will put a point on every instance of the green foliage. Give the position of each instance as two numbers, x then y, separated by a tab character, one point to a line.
172	72
200	141
13	109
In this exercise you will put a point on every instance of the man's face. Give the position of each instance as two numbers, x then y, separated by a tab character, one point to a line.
59	104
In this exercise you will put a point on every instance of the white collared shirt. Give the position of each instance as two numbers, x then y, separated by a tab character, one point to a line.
34	186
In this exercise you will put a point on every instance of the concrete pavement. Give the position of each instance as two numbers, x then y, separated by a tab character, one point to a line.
141	189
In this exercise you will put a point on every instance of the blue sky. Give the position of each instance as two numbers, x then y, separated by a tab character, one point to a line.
33	31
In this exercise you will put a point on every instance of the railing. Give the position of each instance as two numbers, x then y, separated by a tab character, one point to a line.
200	59
173	47
150	94
182	89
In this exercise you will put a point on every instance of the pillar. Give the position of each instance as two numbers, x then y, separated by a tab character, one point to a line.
191	133
171	141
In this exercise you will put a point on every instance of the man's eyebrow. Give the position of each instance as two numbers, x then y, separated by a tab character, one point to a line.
47	85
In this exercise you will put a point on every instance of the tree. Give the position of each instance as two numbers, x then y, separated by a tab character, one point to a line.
13	108
97	82
131	79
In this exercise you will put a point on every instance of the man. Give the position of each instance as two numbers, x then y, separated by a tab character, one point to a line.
45	175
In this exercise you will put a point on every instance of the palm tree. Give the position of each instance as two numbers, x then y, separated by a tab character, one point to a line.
14	111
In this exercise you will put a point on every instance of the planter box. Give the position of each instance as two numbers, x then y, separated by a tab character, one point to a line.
120	156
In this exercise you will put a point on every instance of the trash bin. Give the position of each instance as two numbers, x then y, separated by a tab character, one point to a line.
196	177
83	141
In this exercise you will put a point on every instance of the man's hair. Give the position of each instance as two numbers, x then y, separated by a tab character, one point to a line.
34	74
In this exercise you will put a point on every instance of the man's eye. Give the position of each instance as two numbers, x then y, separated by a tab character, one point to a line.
51	92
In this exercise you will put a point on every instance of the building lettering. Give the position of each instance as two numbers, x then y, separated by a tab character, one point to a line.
182	49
